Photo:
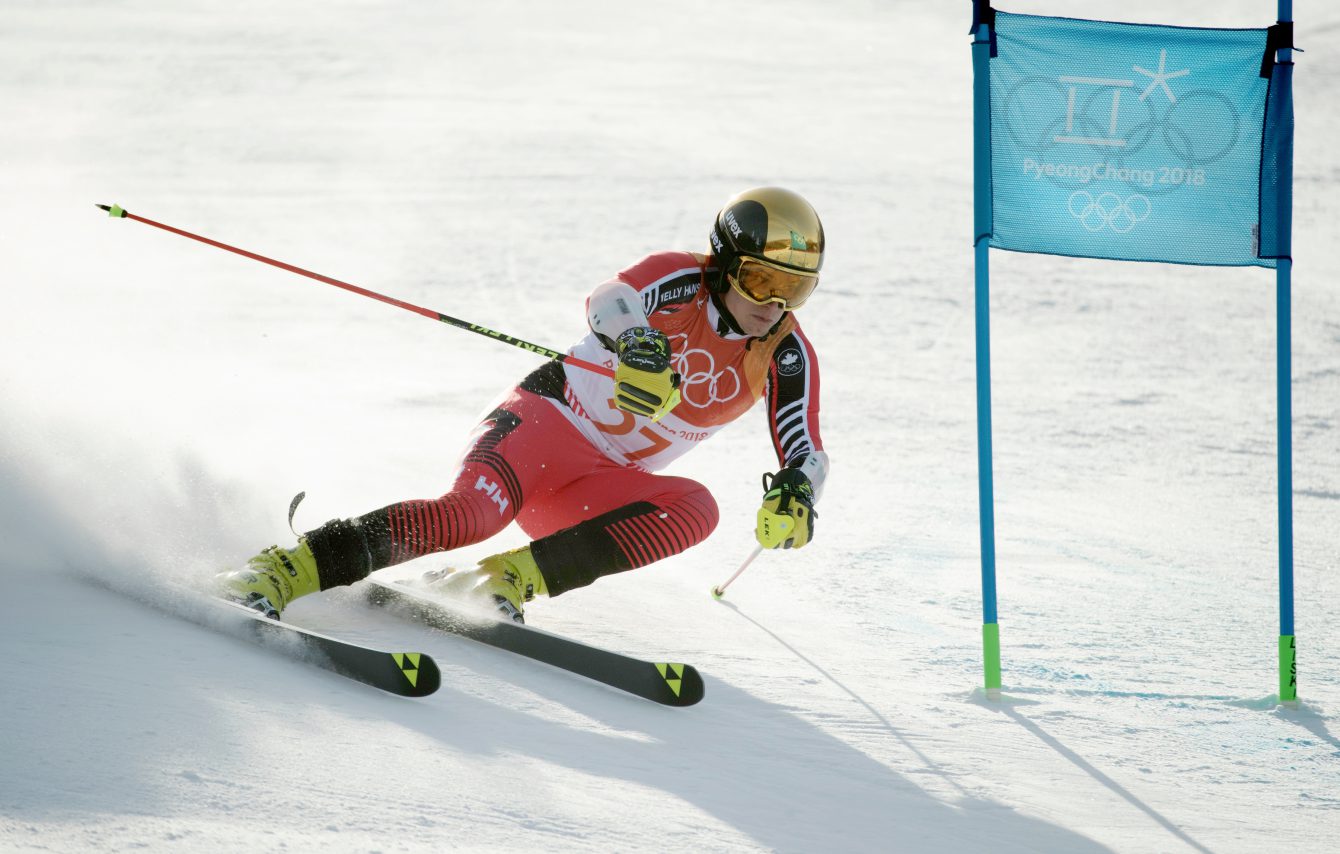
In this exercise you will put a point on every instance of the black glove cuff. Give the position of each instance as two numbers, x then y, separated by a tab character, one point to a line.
643	339
788	480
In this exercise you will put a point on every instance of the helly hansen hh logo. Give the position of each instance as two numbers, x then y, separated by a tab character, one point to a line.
494	491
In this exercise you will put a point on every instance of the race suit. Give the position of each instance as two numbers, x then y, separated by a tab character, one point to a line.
577	474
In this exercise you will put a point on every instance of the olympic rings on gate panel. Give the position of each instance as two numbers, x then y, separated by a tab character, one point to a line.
1109	210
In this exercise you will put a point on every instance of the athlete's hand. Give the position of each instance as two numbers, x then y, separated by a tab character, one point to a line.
644	384
786	519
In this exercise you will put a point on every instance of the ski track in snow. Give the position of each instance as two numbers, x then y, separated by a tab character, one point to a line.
163	401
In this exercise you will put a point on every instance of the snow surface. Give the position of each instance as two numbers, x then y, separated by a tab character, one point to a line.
163	400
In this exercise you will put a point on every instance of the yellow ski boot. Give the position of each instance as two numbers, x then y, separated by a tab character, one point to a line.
272	579
506	581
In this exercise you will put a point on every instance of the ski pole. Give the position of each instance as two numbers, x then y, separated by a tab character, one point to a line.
118	211
720	589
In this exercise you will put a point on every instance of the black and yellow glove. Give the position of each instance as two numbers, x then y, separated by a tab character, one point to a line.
644	384
786	519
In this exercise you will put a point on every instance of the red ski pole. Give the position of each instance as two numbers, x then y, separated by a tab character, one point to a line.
118	211
720	589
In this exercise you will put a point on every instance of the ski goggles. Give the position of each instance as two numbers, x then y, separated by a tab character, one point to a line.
762	283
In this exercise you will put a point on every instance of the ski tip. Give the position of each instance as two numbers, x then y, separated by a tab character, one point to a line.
683	683
693	690
420	671
113	210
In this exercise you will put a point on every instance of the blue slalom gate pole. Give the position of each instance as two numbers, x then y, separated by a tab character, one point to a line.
1284	381
982	226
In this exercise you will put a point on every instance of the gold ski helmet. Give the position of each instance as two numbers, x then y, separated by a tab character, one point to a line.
769	245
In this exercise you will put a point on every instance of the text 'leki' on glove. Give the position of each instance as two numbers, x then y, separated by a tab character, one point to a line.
786	519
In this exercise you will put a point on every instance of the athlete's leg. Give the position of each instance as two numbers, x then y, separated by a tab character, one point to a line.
512	453
611	520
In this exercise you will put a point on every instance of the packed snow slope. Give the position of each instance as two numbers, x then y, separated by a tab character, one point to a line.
162	401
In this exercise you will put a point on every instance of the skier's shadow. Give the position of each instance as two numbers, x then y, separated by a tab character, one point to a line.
894	731
753	765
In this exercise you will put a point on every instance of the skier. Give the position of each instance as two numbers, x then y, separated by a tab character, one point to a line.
694	341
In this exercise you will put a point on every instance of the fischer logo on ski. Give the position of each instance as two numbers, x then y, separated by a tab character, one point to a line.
671	684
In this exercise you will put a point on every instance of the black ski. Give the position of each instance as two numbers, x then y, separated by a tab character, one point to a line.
662	682
409	674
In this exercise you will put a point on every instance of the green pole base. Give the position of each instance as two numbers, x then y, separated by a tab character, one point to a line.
1288	669
991	658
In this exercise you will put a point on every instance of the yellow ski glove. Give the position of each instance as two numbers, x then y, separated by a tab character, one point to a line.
786	519
644	384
